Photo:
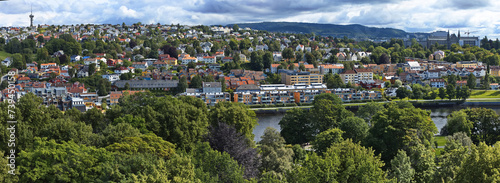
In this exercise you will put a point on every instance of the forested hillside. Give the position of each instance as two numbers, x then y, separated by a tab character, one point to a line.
353	30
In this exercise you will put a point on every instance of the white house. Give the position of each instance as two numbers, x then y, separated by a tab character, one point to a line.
438	83
150	61
414	66
90	61
299	48
111	77
140	65
479	72
209	59
122	70
277	56
187	60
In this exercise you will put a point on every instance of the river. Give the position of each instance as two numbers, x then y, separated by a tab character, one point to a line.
438	116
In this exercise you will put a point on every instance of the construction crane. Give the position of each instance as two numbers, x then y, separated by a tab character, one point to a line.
468	32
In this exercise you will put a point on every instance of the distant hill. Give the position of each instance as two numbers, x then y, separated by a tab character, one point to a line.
351	31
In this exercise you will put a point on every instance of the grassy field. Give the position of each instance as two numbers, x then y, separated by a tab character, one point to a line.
4	55
485	94
441	140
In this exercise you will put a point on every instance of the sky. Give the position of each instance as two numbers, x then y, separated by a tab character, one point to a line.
480	17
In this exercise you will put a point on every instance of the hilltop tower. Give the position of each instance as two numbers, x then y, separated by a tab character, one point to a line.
31	17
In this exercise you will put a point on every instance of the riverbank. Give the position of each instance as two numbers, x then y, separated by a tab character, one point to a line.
355	106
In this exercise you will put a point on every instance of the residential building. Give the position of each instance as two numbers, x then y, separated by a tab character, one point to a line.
289	77
140	65
414	66
494	86
187	60
147	84
467	64
211	87
209	59
122	70
47	65
111	77
437	83
495	71
356	75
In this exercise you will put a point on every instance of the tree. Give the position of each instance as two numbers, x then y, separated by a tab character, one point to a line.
450	91
471	81
387	84
481	164
62	130
402	92
78	161
442	93
236	115
214	166
422	157
456	141
486	125
296	126
326	114
268	60
95	118
288	53
223	84
392	124
256	61
457	122
355	128
146	143
176	121
276	158
196	81
334	81
398	83
92	69
417	91
401	168
465	93
369	110
236	28
4	85
343	162
486	81
326	138
116	133
181	87
224	138
302	67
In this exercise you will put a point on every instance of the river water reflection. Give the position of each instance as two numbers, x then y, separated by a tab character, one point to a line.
438	116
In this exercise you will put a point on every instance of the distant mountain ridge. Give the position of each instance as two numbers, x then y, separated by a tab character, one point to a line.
351	31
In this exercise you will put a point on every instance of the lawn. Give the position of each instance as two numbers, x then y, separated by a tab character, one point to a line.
485	94
4	55
441	140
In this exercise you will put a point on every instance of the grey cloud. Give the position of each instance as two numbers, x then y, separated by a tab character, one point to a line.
463	4
276	7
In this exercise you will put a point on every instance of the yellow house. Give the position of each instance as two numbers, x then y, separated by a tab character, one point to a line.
467	64
495	71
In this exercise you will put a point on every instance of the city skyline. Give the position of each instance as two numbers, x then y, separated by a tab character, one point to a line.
478	17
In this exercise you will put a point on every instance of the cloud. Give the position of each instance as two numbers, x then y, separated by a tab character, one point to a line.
128	12
464	4
409	15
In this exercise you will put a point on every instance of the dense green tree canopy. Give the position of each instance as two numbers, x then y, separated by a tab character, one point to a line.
342	162
391	125
234	114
